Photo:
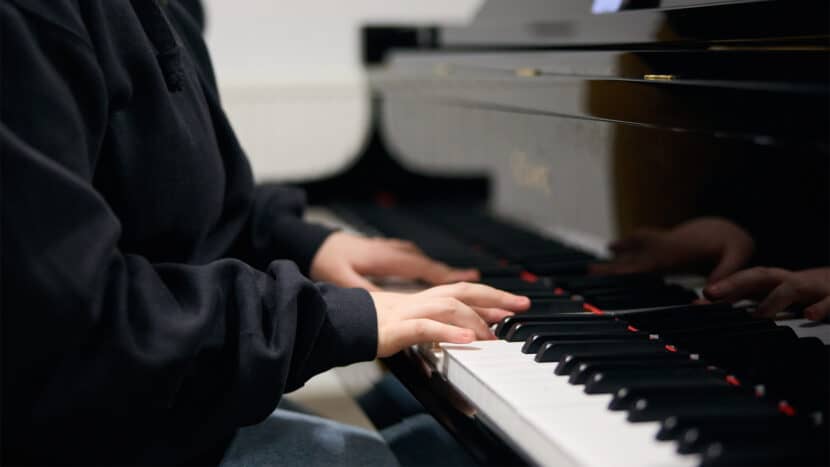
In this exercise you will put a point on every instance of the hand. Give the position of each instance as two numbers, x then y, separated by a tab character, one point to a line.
778	289
716	244
344	259
458	313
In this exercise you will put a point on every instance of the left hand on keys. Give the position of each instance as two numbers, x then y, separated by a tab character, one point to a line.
345	259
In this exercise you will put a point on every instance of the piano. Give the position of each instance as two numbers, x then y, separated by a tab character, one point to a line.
525	141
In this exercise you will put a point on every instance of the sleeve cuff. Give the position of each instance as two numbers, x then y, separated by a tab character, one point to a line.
354	321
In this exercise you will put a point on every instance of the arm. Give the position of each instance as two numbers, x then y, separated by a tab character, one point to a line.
103	347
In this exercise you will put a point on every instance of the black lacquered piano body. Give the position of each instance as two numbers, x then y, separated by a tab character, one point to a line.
585	125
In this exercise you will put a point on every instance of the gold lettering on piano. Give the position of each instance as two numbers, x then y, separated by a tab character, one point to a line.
527	72
529	174
443	69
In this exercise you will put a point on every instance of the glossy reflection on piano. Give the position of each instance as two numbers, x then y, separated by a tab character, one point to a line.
696	132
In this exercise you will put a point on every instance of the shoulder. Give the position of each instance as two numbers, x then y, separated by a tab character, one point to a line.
60	15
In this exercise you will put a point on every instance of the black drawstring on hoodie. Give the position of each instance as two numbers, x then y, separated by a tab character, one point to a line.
160	33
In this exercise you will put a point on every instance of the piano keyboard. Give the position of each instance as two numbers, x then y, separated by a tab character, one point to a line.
624	370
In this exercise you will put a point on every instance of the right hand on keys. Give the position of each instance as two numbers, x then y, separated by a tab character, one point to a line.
457	313
777	290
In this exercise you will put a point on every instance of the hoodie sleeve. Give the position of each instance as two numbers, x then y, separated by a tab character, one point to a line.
277	229
92	334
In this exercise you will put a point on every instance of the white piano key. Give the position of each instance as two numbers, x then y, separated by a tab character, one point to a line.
547	418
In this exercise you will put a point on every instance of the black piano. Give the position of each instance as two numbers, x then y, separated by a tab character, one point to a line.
523	142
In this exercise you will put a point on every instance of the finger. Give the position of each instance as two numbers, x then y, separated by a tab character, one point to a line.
350	278
457	275
492	315
403	245
635	241
781	298
416	331
733	259
451	311
410	265
818	311
750	283
480	295
436	272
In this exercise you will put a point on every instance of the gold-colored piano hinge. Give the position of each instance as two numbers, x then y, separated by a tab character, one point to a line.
655	77
528	72
443	69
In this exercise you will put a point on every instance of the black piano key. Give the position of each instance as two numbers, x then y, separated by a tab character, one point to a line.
648	317
690	321
548	350
555	306
789	451
506	323
522	330
602	330
627	303
537	341
581	373
554	257
695	439
719	348
624	280
571	362
580	367
708	330
624	398
561	267
612	292
517	285
656	408
507	270
672	427
608	382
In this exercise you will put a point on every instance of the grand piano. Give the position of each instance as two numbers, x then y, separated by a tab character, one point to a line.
525	141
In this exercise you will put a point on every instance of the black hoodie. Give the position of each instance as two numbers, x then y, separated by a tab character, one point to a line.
144	318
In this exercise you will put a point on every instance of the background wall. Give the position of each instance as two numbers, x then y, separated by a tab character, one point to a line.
291	79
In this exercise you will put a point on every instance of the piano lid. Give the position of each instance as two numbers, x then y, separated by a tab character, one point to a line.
542	23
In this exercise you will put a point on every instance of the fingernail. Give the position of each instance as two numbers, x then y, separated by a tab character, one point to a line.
811	314
715	289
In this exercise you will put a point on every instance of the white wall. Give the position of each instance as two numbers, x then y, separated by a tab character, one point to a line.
291	79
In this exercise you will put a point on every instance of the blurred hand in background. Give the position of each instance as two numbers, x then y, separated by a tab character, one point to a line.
711	245
777	290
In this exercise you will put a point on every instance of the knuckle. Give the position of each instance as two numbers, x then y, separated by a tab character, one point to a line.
761	271
798	286
450	304
420	329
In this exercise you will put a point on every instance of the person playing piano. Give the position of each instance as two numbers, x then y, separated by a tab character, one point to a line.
154	300
721	249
